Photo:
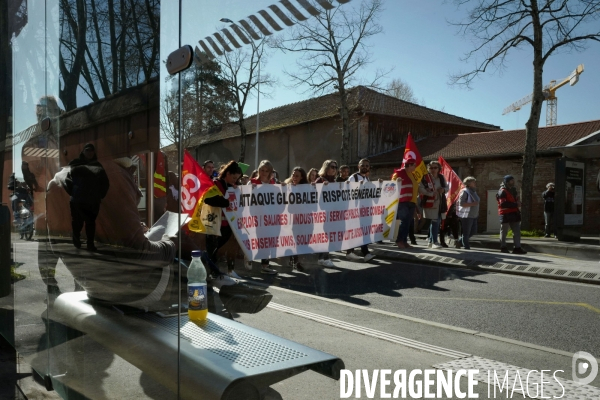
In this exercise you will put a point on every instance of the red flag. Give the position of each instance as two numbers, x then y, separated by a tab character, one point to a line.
455	185
196	186
160	181
411	150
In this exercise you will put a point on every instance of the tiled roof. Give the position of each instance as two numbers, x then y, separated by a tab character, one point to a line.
360	99
494	143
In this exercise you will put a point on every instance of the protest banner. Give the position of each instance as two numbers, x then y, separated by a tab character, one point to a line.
271	221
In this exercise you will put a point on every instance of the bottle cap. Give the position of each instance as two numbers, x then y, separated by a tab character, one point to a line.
196	253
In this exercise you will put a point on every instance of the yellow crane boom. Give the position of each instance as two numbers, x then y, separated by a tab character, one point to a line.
549	96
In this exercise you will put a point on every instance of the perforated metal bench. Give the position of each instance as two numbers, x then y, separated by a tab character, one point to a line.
222	359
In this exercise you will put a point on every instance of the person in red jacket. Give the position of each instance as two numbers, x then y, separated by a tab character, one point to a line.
407	200
510	215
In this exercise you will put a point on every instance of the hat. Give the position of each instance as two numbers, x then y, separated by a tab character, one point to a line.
410	159
508	178
124	162
551	184
89	146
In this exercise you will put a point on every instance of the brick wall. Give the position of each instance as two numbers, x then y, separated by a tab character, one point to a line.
489	173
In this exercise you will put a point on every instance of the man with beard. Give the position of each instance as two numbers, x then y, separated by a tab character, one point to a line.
87	184
510	215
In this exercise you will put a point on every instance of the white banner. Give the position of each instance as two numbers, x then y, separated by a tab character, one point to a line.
272	221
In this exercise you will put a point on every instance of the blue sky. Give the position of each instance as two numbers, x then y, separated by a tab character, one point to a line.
425	50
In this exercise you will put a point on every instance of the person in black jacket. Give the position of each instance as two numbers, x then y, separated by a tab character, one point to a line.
548	197
87	184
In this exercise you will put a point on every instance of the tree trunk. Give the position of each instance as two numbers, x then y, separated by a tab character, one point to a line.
345	148
242	124
68	94
531	127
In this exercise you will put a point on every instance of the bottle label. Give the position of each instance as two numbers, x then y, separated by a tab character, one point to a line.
197	296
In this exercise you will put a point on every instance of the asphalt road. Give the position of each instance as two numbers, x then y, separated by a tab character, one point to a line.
555	314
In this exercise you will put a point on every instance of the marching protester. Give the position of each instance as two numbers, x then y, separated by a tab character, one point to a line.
451	226
548	197
298	177
468	210
265	176
312	175
327	174
228	177
510	215
433	188
344	173
209	168
364	167
87	184
406	201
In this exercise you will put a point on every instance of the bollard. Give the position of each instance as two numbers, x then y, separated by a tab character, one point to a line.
5	279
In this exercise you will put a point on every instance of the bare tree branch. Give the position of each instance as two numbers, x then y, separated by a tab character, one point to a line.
333	48
547	26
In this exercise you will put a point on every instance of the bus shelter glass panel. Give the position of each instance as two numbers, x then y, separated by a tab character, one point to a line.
87	78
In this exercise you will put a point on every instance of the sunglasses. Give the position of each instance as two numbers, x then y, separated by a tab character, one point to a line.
333	166
434	167
409	165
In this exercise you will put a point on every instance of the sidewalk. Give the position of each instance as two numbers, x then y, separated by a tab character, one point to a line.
541	261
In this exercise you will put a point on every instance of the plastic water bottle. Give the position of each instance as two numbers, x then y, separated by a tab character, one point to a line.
197	300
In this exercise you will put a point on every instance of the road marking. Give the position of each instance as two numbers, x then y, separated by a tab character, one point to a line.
529	381
554	303
423	321
369	332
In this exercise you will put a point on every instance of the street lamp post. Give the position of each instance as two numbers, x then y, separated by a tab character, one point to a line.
227	20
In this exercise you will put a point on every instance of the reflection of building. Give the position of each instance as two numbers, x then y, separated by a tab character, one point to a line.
489	156
308	132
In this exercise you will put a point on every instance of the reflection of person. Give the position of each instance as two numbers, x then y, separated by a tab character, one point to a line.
364	167
510	215
406	201
468	210
548	197
433	187
327	175
87	184
228	176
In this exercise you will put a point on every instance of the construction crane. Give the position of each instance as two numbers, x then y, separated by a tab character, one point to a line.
549	96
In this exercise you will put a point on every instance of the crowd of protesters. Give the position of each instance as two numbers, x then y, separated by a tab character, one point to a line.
420	202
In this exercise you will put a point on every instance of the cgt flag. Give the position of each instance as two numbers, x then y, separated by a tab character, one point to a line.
411	150
196	186
455	185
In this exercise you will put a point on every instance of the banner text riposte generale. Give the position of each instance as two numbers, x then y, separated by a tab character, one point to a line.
275	221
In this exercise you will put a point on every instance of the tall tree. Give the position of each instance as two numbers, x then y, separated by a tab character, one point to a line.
206	103
333	49
401	90
107	46
545	27
240	69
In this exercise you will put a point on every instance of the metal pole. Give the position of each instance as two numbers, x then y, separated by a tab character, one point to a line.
257	114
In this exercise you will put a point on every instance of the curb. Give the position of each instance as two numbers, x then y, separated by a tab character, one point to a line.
563	274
